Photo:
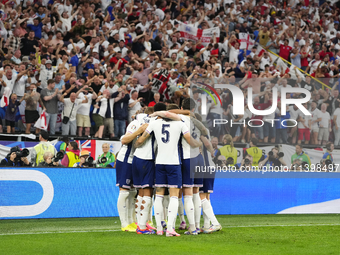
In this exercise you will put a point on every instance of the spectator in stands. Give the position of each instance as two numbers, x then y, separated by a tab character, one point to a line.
121	113
316	118
304	126
11	111
324	125
32	98
50	98
156	98
134	104
71	106
83	113
336	121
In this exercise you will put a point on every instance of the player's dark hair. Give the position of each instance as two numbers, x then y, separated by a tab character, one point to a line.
188	104
159	107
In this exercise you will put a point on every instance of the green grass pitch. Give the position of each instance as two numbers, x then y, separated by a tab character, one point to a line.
241	234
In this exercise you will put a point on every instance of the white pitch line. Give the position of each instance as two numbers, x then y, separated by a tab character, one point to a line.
116	230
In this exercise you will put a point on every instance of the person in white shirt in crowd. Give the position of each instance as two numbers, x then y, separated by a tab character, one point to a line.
83	113
336	121
134	104
46	73
316	118
71	105
22	81
324	125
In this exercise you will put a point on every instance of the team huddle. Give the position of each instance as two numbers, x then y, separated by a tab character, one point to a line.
161	148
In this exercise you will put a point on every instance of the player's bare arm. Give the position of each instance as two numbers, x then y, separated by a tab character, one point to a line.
142	139
128	137
167	115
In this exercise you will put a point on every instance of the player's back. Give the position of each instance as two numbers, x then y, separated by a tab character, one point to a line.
127	150
147	150
167	134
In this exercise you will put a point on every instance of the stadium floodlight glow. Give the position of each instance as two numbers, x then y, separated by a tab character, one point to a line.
238	100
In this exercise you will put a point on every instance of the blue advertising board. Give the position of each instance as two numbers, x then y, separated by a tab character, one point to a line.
88	192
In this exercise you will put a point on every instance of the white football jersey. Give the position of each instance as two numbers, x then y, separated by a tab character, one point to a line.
127	151
188	151
148	149
206	154
167	134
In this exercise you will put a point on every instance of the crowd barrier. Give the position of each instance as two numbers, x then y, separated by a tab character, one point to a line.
88	192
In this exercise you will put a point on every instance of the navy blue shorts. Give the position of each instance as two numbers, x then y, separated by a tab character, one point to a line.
198	176
168	176
208	183
143	173
187	179
123	175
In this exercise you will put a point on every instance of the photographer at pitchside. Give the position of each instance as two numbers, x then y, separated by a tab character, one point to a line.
16	157
273	159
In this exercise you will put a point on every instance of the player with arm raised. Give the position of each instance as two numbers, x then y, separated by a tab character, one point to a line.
168	168
125	203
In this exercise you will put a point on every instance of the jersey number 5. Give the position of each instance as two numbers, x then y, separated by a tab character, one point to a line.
166	133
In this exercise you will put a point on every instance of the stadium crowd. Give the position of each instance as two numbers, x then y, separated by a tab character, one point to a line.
100	62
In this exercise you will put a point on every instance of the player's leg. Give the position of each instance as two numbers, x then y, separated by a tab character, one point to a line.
136	162
138	205
206	220
208	187
181	211
188	166
198	183
132	196
173	209
123	196
166	201
174	177
160	183
144	212
147	174
158	207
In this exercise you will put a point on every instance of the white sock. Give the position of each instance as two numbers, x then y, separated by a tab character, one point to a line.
189	209
131	206
207	208
172	214
197	208
144	211
181	210
206	219
137	208
150	210
122	208
159	211
166	207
